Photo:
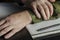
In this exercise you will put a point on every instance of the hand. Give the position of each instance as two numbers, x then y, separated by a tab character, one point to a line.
14	23
43	7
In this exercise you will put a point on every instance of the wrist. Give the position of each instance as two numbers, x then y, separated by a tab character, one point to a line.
34	18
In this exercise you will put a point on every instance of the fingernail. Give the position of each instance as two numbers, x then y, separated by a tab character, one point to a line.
39	17
48	18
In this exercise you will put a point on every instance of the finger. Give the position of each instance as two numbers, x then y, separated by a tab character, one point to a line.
10	34
46	9
6	30
42	12
4	26
14	31
36	12
2	22
50	7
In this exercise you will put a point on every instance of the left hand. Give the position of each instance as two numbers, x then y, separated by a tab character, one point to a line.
14	23
42	8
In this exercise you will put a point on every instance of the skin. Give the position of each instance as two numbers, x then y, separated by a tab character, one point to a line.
44	8
18	21
52	0
14	22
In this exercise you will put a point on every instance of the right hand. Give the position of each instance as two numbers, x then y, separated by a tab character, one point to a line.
14	23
